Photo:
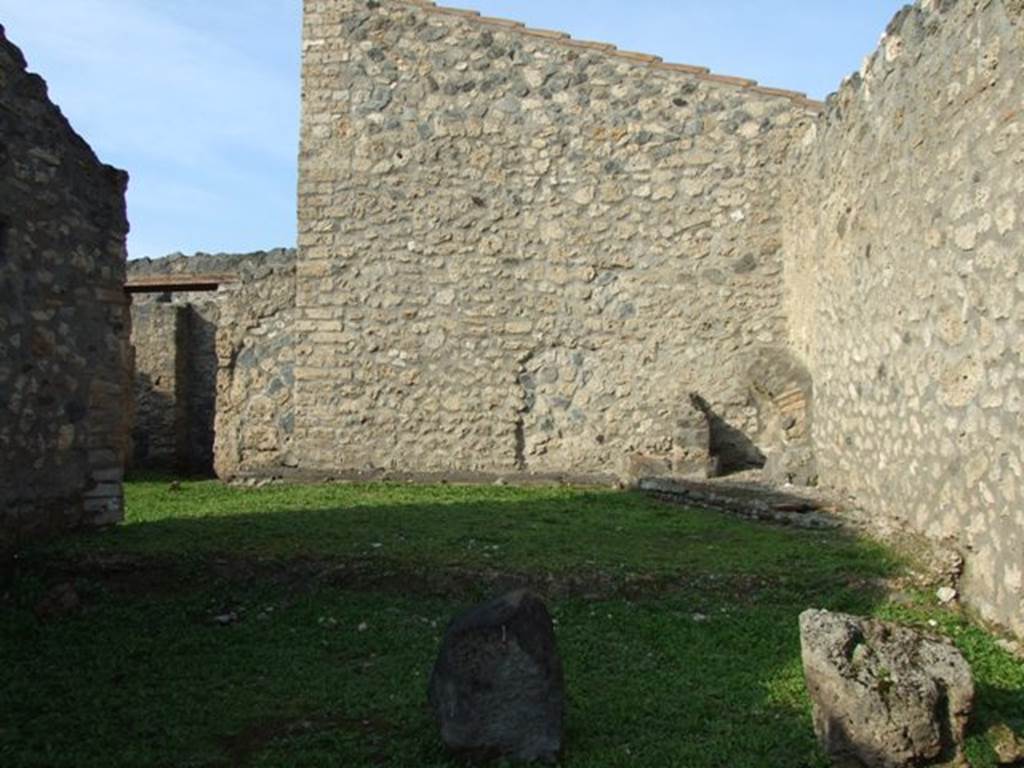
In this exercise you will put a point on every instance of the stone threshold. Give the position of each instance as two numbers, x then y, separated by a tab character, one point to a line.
749	497
461	477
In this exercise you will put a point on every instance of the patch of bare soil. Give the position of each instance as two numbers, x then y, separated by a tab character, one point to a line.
243	746
124	575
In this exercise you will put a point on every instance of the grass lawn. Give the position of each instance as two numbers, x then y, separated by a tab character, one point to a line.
296	626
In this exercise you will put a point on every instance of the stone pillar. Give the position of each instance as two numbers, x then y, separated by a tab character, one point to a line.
160	336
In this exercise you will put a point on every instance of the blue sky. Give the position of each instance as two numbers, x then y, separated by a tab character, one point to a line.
199	99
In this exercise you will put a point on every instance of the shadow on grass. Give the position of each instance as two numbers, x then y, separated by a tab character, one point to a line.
297	626
544	530
997	701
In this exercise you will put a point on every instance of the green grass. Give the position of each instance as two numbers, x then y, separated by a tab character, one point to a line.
677	627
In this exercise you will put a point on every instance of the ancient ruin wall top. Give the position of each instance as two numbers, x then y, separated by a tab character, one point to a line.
564	38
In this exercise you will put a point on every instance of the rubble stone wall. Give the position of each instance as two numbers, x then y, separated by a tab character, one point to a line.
905	289
523	253
160	430
233	350
64	352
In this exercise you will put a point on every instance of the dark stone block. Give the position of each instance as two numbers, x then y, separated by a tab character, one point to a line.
497	688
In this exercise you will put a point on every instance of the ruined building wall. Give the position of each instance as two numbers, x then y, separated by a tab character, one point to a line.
905	292
163	418
214	371
520	252
64	353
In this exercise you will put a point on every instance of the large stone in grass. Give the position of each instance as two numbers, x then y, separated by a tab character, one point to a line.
884	696
497	688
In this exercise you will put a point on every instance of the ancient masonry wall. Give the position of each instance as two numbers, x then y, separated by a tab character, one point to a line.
520	252
163	419
64	352
905	289
214	371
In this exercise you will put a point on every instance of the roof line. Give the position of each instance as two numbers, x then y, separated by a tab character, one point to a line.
655	62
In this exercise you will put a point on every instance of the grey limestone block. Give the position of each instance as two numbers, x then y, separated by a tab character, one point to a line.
884	695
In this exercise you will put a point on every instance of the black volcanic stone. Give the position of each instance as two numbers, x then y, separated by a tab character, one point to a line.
497	688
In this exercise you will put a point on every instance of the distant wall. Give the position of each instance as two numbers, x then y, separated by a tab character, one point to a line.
64	354
160	434
905	289
214	371
520	253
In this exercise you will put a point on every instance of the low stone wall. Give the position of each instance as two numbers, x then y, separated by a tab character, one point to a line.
64	353
524	254
230	355
905	294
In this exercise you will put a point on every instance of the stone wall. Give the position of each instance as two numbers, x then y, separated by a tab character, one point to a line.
519	252
64	353
229	355
163	418
905	293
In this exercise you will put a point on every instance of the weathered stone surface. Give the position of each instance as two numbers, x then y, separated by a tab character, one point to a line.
160	430
783	392
884	696
215	371
521	255
497	688
1008	746
750	496
64	324
904	291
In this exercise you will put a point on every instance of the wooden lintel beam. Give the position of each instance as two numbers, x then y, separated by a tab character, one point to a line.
177	283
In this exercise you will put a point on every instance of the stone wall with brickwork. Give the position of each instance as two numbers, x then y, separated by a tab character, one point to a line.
64	353
224	401
523	253
905	289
